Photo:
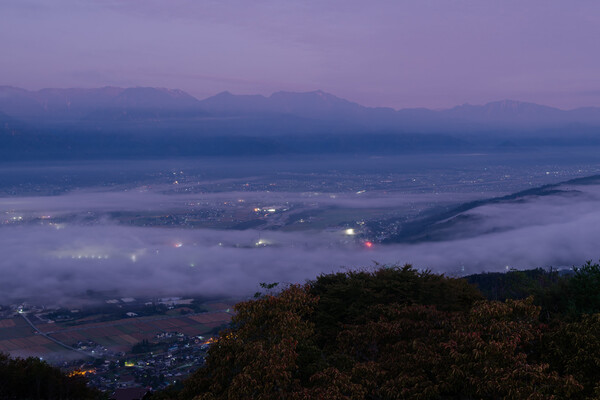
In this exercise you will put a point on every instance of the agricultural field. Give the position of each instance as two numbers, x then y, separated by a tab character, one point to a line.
19	339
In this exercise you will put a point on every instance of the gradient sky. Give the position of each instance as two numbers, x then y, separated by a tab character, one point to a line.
407	53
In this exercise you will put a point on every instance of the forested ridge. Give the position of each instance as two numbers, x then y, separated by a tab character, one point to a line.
399	333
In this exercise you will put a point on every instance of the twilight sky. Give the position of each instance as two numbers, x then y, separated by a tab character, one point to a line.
411	53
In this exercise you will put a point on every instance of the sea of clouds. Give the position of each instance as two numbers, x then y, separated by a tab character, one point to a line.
43	263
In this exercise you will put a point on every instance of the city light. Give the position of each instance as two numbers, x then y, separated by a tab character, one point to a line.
79	372
263	242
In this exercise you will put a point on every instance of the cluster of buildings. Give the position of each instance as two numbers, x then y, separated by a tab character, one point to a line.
172	357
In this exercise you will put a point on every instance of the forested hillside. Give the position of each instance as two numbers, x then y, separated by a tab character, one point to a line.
399	333
34	379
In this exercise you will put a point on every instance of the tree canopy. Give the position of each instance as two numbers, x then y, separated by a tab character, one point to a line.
32	378
399	333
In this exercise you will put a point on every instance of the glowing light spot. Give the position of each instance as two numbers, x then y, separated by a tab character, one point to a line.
133	258
368	245
178	245
350	232
78	372
263	242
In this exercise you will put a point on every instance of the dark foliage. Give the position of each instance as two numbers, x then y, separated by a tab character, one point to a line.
32	378
344	298
397	333
514	284
562	295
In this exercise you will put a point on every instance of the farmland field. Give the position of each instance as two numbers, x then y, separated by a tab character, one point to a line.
19	339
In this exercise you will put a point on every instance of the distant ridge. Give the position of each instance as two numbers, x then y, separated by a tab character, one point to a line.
73	104
76	103
434	227
159	122
526	114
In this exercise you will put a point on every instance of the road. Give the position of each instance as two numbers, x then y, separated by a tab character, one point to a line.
66	346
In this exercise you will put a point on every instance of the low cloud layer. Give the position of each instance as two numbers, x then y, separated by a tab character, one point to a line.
159	198
43	263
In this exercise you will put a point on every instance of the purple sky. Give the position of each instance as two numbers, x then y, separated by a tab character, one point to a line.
412	53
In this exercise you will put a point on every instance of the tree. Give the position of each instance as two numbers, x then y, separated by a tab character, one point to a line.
256	359
32	378
574	348
392	333
419	352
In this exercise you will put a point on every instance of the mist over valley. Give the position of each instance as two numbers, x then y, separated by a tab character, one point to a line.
217	228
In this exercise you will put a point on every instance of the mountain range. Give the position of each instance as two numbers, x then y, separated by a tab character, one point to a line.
77	104
283	121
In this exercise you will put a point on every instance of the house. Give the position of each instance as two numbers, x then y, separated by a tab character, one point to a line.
130	394
127	381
